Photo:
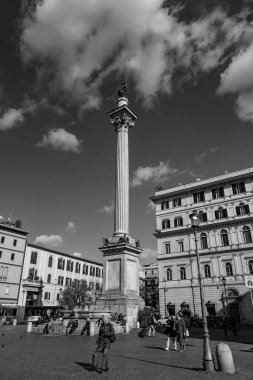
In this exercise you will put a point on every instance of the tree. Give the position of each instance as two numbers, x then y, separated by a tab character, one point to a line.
74	295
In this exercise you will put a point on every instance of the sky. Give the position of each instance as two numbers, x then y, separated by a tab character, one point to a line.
188	68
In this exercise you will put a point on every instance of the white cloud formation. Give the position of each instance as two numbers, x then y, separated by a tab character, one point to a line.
49	241
200	157
150	208
148	256
60	139
71	228
82	43
11	118
108	209
159	173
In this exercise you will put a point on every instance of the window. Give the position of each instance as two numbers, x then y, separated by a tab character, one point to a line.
169	274
96	272
218	192
165	205
34	255
224	238
50	261
2	239
177	202
91	270
199	197
182	273
58	297
251	266
78	267
60	280
165	224
238	188
167	247
87	269
242	209
48	278
61	263
14	242
229	269
203	241
247	238
207	271
84	268
70	266
3	273
178	221
12	256
32	273
68	281
203	216
97	286
7	290
220	213
0	254
47	296
181	246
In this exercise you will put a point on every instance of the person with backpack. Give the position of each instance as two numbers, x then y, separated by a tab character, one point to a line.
106	336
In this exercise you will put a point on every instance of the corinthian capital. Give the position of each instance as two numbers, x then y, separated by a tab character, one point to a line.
122	121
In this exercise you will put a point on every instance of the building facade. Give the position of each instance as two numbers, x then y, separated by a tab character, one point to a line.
46	272
224	241
13	241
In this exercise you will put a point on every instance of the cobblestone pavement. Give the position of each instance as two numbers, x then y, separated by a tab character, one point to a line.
33	356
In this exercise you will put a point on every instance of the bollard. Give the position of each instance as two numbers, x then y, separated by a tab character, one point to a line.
29	327
127	329
138	325
14	322
225	358
92	329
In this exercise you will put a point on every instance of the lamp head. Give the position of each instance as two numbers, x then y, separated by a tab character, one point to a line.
223	281
195	219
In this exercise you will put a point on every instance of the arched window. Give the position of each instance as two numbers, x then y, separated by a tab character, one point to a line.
93	273
247	238
251	266
224	238
178	221
87	269
84	268
229	269
50	261
203	241
169	274
207	271
182	273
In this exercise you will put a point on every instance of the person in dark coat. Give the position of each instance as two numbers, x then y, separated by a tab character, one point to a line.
172	333
225	324
145	326
106	331
73	327
181	332
86	327
233	324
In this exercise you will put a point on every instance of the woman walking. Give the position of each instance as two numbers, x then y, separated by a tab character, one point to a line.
172	333
106	336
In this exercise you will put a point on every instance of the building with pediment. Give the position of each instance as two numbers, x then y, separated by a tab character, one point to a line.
224	242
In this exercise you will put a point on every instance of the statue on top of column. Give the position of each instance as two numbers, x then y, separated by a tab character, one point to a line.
122	90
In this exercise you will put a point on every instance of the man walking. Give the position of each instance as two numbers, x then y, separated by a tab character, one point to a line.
106	336
181	332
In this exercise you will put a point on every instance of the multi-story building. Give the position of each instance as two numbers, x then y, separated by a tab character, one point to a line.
46	272
224	241
12	251
151	290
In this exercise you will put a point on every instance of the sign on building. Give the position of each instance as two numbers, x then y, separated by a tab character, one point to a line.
249	282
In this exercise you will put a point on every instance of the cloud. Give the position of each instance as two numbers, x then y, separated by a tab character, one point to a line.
49	241
148	256
199	158
159	173
11	118
71	228
108	209
60	139
76	45
150	208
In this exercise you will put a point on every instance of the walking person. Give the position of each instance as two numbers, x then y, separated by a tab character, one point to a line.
233	324
145	326
181	332
225	324
172	333
86	327
151	325
187	325
106	336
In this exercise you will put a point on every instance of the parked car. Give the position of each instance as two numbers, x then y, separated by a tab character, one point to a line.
35	319
162	321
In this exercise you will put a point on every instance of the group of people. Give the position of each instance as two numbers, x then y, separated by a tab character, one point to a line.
177	331
71	326
150	323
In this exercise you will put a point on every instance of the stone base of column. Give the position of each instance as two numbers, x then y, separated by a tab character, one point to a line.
128	306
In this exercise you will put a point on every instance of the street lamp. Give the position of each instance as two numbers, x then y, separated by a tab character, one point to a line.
225	295
208	362
164	290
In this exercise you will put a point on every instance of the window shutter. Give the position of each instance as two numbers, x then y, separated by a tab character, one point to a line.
238	212
216	213
225	213
247	209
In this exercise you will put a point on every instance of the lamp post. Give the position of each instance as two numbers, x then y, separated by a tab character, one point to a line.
60	297
164	290
208	362
225	295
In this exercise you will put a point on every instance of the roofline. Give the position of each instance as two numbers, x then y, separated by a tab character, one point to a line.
64	254
14	229
201	183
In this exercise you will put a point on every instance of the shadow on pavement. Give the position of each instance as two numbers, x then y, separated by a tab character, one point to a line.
250	350
88	366
161	364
